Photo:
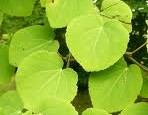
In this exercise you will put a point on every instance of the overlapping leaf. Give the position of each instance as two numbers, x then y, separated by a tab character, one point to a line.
41	76
6	70
95	43
31	39
11	104
57	107
93	111
17	7
61	12
136	109
116	87
117	9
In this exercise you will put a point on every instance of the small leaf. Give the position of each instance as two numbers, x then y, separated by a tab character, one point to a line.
95	43
94	111
6	70
11	103
144	89
112	89
61	12
1	17
56	107
49	80
136	109
30	39
17	7
117	9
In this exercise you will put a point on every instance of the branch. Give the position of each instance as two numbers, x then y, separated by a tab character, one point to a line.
136	62
68	60
132	52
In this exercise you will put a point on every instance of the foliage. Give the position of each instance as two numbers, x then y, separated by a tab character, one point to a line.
46	78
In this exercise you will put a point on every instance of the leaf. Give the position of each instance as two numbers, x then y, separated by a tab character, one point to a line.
6	70
56	107
61	12
95	43
43	2
1	17
136	109
17	7
40	76
31	39
11	103
144	89
94	111
116	87
119	10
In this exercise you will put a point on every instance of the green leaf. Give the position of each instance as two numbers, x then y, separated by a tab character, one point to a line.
1	17
11	103
30	39
17	7
94	111
6	70
119	10
136	109
144	89
61	12
95	43
43	2
116	87
40	76
56	107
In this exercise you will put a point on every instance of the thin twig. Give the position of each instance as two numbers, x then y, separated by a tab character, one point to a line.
68	60
64	58
137	63
132	52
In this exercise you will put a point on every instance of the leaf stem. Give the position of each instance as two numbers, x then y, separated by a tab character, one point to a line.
136	62
132	52
68	60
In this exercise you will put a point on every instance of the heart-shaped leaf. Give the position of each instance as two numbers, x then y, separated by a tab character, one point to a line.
41	73
117	9
95	43
30	39
116	87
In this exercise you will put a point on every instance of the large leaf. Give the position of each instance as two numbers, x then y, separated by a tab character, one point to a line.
17	7
11	103
95	111
1	17
41	76
119	10
31	39
136	109
61	12
95	43
6	70
116	87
